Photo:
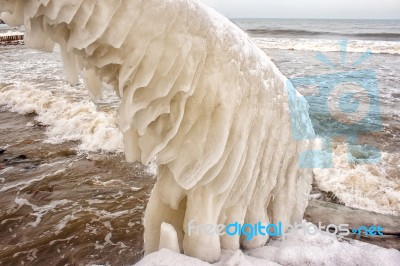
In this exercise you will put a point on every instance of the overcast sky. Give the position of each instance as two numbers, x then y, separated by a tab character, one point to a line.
361	9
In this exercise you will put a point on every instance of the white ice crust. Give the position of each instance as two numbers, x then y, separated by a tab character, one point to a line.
196	92
296	249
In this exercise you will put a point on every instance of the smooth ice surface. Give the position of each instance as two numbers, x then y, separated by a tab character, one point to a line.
169	238
196	92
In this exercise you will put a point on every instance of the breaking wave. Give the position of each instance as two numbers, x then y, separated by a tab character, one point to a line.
369	187
322	45
67	119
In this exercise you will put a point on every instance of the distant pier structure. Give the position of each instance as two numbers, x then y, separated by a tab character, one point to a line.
10	35
11	39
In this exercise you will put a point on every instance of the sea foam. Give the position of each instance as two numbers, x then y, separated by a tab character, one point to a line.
323	45
67	119
364	186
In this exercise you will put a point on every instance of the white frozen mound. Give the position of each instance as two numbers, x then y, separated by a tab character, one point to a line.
296	249
196	92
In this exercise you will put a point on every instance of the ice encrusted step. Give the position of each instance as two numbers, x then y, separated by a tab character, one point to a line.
331	213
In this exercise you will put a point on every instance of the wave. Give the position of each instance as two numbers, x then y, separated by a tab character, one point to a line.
393	36
11	33
68	119
354	46
370	187
285	32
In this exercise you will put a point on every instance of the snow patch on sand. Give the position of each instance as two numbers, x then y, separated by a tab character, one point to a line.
296	249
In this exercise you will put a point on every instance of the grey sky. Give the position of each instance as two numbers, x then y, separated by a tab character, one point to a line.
366	9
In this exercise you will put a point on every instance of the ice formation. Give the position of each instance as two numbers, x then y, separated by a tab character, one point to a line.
296	249
196	92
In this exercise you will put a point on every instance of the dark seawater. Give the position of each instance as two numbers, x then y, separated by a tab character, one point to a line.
62	207
381	30
68	197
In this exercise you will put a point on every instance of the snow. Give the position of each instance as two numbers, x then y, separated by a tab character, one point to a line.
296	249
197	93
